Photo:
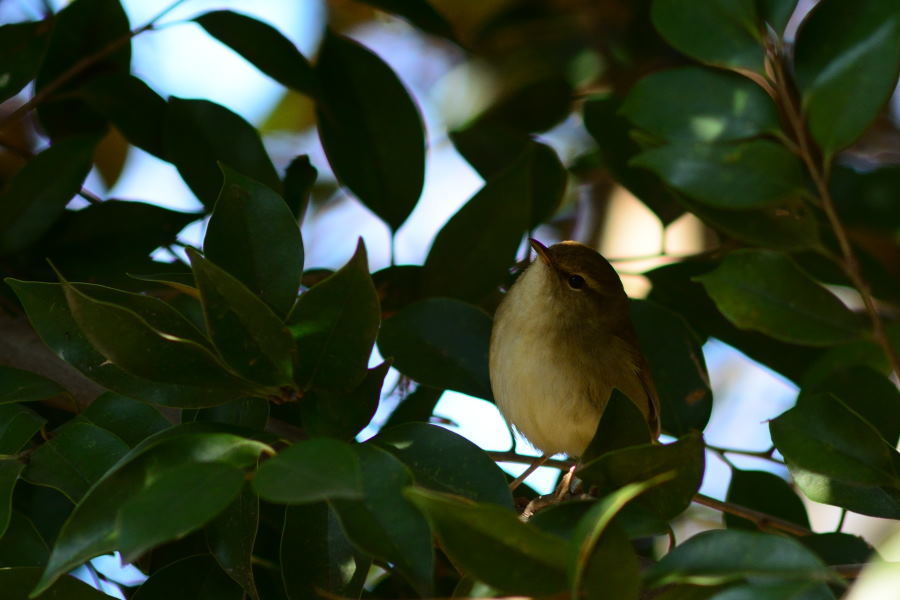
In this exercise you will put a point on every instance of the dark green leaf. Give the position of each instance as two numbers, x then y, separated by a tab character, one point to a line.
343	414
535	106
249	337
836	548
868	393
491	544
177	501
732	35
468	260
622	424
48	313
17	385
74	458
417	406
95	30
724	555
9	475
838	458
864	352
776	13
334	325
251	413
231	537
17	582
446	462
37	195
199	135
136	110
767	292
316	555
737	175
765	492
262	45
866	198
398	286
419	13
22	545
370	129
846	62
384	523
561	519
442	343
192	578
22	46
253	235
677	365
299	179
766	590
310	471
698	104
45	507
130	419
637	464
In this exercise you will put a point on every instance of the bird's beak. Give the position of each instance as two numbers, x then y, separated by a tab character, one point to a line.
541	251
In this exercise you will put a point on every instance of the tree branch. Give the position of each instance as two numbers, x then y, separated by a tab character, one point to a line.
762	520
512	457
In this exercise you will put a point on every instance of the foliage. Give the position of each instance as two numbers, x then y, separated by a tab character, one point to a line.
221	452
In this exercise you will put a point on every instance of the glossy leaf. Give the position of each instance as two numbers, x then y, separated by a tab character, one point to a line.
17	385
21	545
699	104
417	406
310	471
491	544
22	46
764	492
46	508
676	363
17	425
868	393
767	292
444	461
732	35
231	537
334	325
759	590
74	458
641	463
384	523
776	13
441	343
847	60
17	582
10	468
622	424
47	310
419	13
370	129
253	235
343	414
838	458
742	175
199	135
837	548
250	413
37	195
262	45
131	420
299	178
192	578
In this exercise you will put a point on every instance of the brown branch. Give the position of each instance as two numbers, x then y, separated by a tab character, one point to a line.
762	520
512	457
763	454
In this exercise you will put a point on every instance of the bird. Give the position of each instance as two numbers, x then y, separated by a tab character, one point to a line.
562	339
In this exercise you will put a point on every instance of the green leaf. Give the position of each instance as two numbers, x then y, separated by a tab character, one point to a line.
622	424
299	179
676	362
370	129
836	548
253	235
468	260
343	414
723	555
262	45
736	175
765	590
199	135
419	13
776	13
384	523
17	385
10	468
92	528
36	196
310	471
334	325
250	413
130	419
231	537
764	492
542	102
442	343
868	393
22	47
192	578
131	105
316	555
767	292
732	36
636	464
74	458
836	457
17	582
444	461
22	545
416	406
846	62
250	338
702	105
491	544
95	30
48	312
17	425
159	512
46	508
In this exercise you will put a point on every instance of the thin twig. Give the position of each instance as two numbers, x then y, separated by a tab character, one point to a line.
840	524
512	457
762	520
536	463
763	454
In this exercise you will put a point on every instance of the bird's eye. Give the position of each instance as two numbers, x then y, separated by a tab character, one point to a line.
576	282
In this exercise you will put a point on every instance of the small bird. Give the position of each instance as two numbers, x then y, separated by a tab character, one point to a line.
562	340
